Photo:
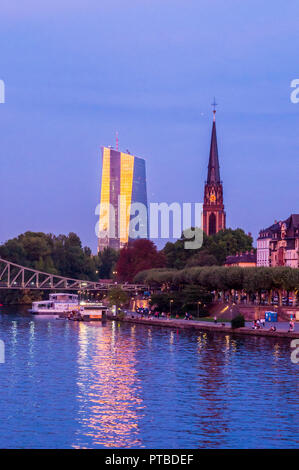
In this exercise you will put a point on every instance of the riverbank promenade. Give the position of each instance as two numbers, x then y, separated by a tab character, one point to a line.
281	327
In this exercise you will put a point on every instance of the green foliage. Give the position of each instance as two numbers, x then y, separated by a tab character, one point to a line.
105	263
238	322
183	301
214	250
221	278
228	242
62	255
14	297
117	297
161	302
203	258
155	276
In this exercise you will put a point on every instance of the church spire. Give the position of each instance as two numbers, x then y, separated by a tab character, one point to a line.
213	214
213	168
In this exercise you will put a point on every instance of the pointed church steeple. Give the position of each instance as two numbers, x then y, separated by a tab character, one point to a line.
213	214
213	168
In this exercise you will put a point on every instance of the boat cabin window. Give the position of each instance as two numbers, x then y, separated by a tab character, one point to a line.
64	297
45	305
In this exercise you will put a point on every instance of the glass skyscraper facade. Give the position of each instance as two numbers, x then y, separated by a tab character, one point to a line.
123	184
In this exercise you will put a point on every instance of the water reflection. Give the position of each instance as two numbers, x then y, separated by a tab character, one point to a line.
109	399
213	420
68	384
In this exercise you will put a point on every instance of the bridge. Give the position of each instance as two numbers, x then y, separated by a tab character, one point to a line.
15	276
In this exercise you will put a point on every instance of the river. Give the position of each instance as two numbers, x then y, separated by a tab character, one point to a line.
87	385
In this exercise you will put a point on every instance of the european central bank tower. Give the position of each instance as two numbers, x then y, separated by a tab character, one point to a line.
123	184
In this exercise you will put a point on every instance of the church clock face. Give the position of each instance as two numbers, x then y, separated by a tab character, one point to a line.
212	198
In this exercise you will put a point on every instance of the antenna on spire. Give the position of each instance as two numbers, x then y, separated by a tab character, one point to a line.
116	137
214	104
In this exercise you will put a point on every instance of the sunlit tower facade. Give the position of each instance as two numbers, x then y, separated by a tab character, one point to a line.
123	184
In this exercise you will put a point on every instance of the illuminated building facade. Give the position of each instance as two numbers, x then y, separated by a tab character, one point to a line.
123	184
278	245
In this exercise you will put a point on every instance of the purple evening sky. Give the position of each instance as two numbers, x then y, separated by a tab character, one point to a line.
77	71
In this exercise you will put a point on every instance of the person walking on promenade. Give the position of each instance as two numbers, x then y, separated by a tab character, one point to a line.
215	319
292	326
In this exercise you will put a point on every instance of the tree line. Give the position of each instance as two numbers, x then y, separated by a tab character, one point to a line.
66	256
229	281
62	255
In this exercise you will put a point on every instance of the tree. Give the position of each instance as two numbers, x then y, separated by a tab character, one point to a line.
62	255
214	250
195	299
228	242
105	262
203	258
117	297
137	256
192	299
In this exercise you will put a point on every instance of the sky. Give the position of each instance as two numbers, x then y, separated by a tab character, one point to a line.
75	72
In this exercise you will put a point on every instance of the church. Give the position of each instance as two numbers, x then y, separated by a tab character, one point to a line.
213	214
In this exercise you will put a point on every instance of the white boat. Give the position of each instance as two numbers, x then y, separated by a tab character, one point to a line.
56	305
90	312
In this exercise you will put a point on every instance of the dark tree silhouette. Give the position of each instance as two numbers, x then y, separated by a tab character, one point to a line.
137	256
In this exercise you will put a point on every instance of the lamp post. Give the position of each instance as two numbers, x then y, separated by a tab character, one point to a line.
198	304
170	303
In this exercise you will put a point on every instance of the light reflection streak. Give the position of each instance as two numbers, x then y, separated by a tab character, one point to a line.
276	351
31	339
110	406
14	331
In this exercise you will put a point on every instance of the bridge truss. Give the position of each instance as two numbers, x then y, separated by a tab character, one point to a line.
15	276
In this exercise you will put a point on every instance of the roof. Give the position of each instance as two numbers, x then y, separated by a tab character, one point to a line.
291	222
213	168
248	257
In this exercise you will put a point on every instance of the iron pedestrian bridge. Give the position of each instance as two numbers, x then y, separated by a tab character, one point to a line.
14	276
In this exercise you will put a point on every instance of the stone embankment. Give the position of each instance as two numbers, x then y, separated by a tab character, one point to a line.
207	326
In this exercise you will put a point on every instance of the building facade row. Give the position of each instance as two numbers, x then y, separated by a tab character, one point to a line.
278	245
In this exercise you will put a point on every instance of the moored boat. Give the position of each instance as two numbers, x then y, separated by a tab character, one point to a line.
57	304
89	312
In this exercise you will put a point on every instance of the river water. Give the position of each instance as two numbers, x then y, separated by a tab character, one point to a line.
87	385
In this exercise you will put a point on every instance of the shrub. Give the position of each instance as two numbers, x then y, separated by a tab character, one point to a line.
238	322
120	315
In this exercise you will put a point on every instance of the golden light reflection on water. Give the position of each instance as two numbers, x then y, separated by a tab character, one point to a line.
110	406
201	342
276	351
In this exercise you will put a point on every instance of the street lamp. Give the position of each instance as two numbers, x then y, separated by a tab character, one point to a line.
170	303
198	304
